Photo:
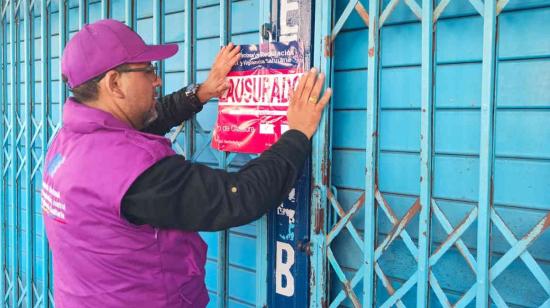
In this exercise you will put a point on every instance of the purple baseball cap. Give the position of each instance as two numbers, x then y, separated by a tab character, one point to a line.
104	45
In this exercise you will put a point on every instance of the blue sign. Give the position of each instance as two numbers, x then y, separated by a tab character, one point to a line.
289	224
289	247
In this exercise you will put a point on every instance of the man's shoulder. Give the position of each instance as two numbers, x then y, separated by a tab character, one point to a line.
126	144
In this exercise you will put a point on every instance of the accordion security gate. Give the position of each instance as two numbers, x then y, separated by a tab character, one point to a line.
439	142
439	127
199	28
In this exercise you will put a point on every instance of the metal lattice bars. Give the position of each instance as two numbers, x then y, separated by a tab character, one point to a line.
29	145
371	180
44	111
486	155
427	207
22	133
13	201
4	132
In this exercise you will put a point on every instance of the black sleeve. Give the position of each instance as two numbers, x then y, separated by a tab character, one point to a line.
172	110
178	194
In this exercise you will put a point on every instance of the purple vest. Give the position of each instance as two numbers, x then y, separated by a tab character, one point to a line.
100	259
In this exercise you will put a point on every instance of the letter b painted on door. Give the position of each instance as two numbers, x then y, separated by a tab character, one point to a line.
282	269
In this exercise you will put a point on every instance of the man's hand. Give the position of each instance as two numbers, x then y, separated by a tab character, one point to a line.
215	85
305	107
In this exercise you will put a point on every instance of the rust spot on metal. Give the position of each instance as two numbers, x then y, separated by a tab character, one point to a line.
423	109
382	202
329	40
325	170
546	222
305	247
455	230
375	133
496	31
347	288
421	178
346	217
362	13
399	227
324	303
349	291
319	220
538	230
371	52
361	199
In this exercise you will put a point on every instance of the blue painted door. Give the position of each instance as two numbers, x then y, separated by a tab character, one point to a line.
438	142
31	104
430	172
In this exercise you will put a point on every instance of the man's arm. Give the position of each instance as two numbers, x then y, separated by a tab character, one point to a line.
177	107
178	194
172	110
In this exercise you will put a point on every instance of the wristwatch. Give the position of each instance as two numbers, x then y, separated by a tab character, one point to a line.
191	93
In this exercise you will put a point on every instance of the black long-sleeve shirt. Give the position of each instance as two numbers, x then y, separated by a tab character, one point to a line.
178	194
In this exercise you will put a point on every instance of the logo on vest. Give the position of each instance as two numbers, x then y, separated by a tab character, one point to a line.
54	164
51	203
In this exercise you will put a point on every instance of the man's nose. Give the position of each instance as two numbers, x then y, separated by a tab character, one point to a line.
157	82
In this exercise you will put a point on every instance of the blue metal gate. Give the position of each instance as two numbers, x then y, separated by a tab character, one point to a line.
430	171
31	104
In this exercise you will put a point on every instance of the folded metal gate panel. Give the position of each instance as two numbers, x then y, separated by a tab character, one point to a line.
437	150
200	28
438	127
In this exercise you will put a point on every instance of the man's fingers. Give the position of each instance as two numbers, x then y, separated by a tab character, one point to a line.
234	51
324	100
229	59
317	87
227	49
312	76
233	60
218	56
290	96
300	88
230	51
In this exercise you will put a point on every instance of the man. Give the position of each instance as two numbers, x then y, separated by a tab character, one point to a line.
121	208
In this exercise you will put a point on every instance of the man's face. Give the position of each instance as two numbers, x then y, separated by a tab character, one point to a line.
139	83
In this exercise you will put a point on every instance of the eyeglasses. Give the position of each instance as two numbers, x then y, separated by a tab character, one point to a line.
150	70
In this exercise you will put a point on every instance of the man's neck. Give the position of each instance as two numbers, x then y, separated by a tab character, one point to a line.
110	107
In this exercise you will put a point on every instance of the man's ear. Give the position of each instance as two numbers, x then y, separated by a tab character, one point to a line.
112	84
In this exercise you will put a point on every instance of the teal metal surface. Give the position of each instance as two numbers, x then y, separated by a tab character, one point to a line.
433	85
262	263
42	292
29	157
223	163
320	160
13	206
29	124
486	158
426	152
430	167
371	181
3	165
